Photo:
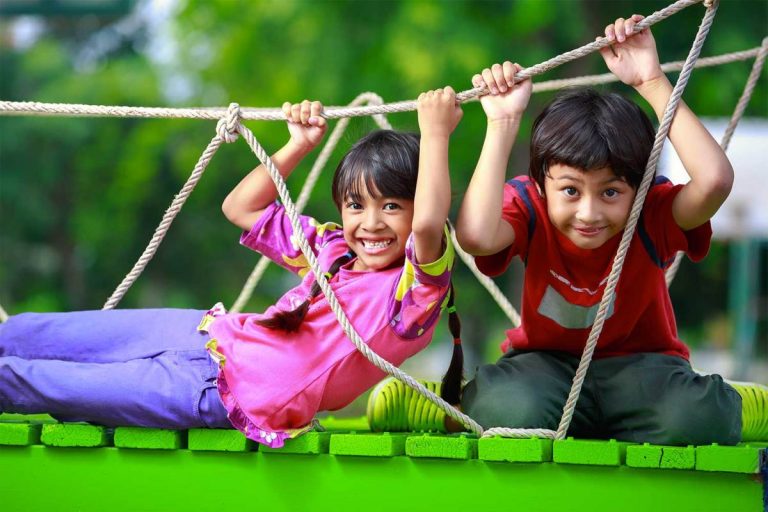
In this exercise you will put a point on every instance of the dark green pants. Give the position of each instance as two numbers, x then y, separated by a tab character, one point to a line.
653	398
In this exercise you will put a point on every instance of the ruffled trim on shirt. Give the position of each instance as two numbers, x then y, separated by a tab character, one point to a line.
238	418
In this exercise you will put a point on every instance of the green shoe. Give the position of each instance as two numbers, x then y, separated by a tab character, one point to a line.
395	407
754	410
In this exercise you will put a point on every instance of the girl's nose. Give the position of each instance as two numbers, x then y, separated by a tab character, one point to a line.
372	220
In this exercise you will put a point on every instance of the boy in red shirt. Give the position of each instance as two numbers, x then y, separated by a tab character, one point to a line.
588	155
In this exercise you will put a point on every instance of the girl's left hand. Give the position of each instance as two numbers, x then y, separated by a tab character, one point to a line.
631	57
305	123
439	113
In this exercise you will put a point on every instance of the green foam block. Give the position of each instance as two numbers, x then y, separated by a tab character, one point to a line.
665	457
731	459
218	440
368	445
441	446
148	438
74	435
309	443
514	450
598	453
19	434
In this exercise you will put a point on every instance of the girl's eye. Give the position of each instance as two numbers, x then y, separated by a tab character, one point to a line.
570	191
611	193
391	206
354	206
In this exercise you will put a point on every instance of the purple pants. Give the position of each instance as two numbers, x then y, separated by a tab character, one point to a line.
142	367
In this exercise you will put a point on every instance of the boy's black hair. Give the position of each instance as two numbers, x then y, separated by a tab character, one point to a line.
587	130
387	163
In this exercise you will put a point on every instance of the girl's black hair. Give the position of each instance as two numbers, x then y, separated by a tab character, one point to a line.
290	321
588	130
450	390
386	162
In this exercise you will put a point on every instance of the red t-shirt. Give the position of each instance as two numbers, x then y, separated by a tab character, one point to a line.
564	284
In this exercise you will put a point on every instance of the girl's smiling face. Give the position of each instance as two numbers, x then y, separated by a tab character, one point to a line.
376	228
588	207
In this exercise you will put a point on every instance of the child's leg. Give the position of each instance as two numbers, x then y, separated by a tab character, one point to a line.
171	390
659	399
528	390
100	336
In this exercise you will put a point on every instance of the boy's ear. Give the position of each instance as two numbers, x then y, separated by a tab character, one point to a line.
538	189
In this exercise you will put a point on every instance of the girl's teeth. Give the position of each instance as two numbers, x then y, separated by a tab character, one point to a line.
375	245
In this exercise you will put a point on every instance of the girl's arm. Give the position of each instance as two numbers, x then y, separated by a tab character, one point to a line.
247	201
480	229
438	116
634	60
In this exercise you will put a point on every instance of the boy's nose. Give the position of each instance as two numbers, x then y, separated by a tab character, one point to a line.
588	211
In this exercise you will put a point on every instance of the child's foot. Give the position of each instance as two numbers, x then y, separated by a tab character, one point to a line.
394	407
754	410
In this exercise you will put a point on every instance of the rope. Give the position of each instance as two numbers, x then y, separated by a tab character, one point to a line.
738	112
274	114
258	271
629	230
3	315
669	67
168	217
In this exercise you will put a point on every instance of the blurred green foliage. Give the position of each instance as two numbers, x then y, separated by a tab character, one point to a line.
80	198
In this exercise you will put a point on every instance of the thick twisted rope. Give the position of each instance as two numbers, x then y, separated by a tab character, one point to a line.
738	112
273	114
170	214
333	302
629	230
668	67
309	184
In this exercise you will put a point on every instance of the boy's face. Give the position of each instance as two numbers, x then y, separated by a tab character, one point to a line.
588	207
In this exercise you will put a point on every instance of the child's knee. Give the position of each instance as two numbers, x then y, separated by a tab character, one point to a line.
715	418
504	405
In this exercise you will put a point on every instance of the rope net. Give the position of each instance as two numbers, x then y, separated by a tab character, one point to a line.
229	127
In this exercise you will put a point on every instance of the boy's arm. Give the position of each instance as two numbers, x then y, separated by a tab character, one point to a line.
634	60
245	204
439	114
480	229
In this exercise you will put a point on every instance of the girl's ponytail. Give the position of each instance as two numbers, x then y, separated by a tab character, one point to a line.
290	321
451	387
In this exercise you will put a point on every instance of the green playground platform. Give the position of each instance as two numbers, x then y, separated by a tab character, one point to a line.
47	466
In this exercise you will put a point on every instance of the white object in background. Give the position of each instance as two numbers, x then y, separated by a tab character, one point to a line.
745	212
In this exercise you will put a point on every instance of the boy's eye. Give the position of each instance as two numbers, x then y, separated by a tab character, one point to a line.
391	206
354	206
611	193
570	191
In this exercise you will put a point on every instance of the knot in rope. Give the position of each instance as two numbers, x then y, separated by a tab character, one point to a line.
709	3
226	128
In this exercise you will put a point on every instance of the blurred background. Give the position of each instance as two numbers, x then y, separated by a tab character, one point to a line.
81	197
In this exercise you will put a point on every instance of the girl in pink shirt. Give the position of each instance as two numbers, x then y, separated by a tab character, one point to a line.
389	264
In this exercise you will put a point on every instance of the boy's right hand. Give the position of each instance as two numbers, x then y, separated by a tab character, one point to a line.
305	123
505	99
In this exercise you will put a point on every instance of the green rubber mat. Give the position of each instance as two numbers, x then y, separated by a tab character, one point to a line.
46	465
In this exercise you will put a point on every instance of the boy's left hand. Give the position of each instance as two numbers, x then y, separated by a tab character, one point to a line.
439	113
632	57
